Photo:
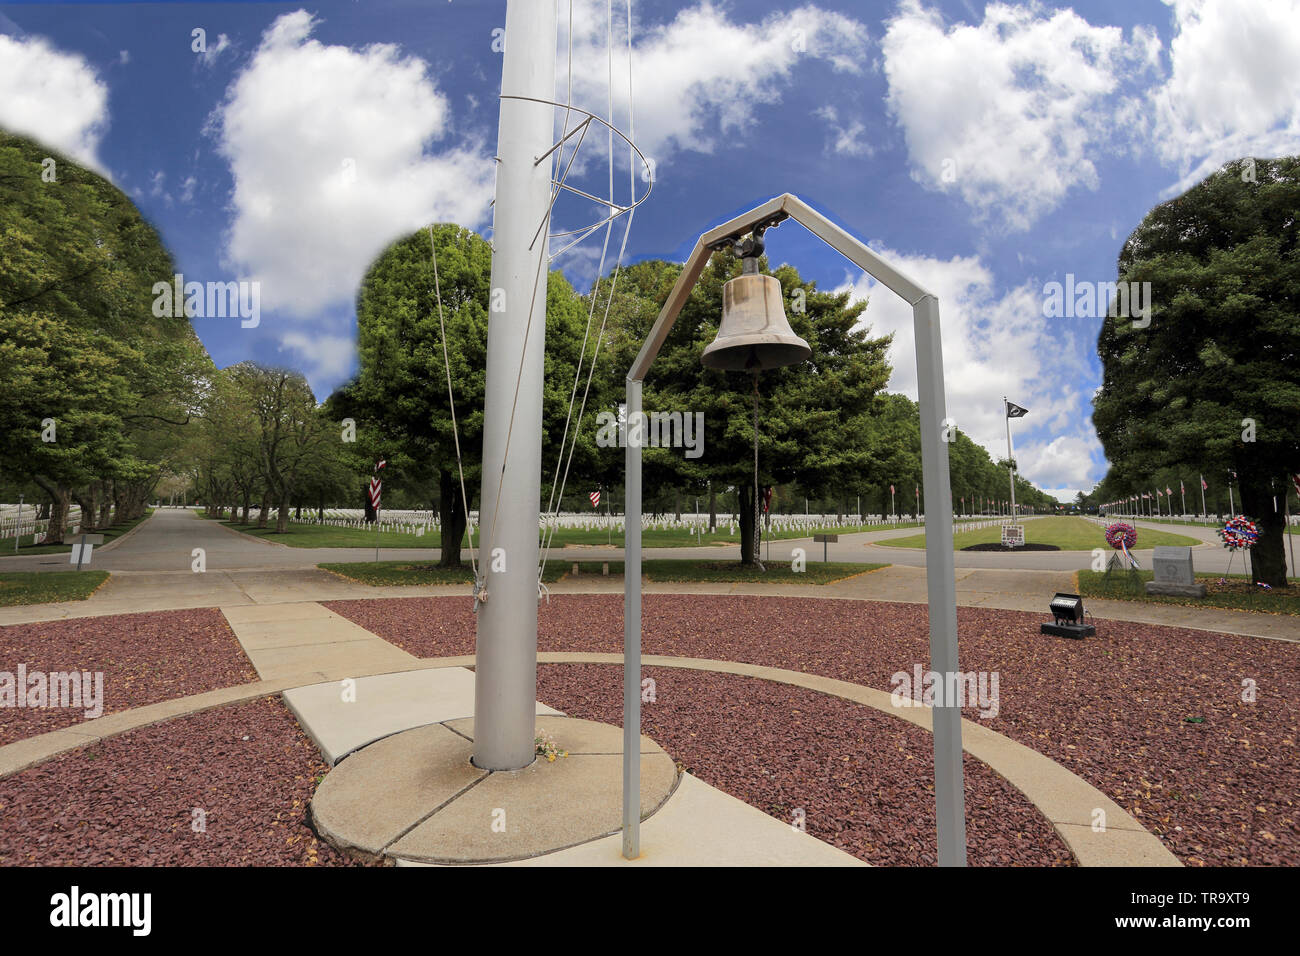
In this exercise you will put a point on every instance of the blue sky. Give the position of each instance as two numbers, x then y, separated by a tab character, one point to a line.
988	148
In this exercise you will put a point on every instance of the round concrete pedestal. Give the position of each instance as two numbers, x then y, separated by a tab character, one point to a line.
416	795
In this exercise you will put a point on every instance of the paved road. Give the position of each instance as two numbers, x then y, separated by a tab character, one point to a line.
166	542
152	571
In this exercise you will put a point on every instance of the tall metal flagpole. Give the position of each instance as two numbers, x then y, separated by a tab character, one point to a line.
1011	471
505	680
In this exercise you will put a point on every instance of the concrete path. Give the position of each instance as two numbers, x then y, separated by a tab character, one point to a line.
135	592
308	640
166	541
344	716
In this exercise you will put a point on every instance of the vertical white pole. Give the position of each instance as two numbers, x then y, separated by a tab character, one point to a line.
632	630
18	530
505	682
1011	472
941	583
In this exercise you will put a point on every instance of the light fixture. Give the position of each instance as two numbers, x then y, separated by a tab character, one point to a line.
1067	614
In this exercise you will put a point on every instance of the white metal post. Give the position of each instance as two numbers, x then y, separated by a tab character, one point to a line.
941	583
632	629
505	681
1011	471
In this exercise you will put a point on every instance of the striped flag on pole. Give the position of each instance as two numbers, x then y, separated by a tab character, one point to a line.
595	499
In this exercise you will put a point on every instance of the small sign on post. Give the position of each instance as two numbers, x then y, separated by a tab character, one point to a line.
1013	535
824	538
81	550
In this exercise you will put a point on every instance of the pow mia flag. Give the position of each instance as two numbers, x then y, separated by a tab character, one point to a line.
1015	411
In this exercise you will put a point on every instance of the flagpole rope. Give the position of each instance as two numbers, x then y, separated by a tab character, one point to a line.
558	499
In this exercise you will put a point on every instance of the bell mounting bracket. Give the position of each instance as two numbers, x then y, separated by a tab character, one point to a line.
748	243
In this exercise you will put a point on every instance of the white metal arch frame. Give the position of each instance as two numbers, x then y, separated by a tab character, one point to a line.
940	577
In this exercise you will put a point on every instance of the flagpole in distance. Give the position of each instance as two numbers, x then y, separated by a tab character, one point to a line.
1011	470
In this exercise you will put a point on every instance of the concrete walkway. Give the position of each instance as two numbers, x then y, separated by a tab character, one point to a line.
135	592
393	693
166	542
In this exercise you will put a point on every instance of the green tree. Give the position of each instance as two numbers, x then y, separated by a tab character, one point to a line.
1222	347
815	419
81	347
399	397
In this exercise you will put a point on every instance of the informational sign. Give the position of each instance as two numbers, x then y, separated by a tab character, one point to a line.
1013	535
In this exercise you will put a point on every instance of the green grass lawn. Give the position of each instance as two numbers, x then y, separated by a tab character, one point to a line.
26	547
327	536
1236	594
43	587
664	570
1067	533
1173	523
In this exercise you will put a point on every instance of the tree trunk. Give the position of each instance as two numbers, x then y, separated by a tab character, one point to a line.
282	516
713	508
451	514
105	519
87	499
247	503
60	501
263	509
297	515
1268	556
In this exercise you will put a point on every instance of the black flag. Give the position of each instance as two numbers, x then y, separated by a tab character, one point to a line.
1015	411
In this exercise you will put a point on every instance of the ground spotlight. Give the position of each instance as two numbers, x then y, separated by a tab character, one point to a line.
1067	613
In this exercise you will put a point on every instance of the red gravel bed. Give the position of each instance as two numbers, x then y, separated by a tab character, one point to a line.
145	658
129	800
1219	789
862	778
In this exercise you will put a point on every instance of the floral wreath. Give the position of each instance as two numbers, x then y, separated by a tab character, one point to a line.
1121	536
1239	532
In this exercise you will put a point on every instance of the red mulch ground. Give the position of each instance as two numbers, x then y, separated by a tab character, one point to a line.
145	658
129	800
862	778
1219	789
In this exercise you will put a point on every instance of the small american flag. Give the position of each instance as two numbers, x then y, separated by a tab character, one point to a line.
595	499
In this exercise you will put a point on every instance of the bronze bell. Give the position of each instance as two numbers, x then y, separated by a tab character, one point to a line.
754	333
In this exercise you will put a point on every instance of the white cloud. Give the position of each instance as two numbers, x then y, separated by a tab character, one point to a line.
846	140
55	97
209	55
1234	85
329	150
994	345
708	74
327	358
123	57
1011	112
